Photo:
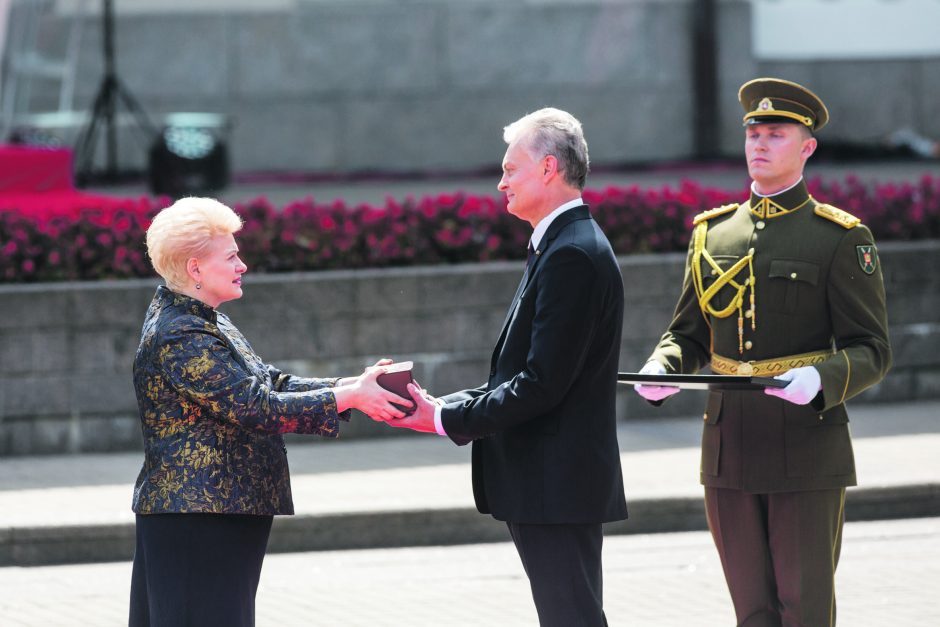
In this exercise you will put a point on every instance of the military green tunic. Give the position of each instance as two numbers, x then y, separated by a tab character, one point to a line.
817	287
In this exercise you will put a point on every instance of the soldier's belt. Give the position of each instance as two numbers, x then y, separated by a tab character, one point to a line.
767	367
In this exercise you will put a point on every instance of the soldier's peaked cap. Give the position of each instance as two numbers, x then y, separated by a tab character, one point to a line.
777	100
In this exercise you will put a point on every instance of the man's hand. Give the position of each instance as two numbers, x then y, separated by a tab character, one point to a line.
654	392
804	385
423	418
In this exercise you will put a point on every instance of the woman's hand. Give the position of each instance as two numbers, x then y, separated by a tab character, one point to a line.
350	380
365	394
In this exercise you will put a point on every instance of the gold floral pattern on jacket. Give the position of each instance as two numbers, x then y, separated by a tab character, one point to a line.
212	414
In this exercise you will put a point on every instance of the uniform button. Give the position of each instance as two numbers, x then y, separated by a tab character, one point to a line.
750	251
793	275
705	417
748	344
760	225
748	313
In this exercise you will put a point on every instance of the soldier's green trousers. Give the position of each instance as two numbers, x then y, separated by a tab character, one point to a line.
779	553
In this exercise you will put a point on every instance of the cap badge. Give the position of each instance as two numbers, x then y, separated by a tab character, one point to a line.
765	105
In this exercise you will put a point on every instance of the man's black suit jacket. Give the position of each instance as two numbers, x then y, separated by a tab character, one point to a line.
544	427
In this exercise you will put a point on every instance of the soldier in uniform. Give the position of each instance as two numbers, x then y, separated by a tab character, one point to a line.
785	286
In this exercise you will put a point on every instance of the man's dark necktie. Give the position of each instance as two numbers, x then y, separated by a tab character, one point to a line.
529	262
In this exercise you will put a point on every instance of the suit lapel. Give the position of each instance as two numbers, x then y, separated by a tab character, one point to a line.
515	299
556	227
510	313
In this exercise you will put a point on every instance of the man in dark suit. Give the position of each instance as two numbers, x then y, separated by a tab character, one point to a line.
545	454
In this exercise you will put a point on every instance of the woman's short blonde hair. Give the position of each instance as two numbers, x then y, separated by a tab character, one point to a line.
182	231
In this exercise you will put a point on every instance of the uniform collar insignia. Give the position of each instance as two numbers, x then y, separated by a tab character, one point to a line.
764	207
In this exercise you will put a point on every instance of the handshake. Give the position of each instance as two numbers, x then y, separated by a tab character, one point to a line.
387	392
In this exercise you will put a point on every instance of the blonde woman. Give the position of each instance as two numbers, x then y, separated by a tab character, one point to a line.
212	414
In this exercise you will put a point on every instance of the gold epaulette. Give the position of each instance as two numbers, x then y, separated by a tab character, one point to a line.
842	218
711	213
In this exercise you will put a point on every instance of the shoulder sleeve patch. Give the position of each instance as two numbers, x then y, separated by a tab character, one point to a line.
842	218
711	213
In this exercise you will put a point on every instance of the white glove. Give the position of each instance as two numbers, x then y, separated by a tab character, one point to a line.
804	385
654	392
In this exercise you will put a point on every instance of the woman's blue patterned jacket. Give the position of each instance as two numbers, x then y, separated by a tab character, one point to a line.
212	415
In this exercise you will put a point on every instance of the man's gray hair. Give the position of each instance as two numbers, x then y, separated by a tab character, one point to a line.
553	132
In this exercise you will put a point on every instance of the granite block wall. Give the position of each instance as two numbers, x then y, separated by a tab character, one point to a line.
66	349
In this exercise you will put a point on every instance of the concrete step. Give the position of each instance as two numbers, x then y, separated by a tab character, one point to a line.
68	544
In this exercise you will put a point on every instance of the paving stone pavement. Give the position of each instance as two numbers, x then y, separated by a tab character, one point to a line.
76	508
888	576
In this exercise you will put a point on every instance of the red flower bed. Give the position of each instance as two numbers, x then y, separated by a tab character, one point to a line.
98	242
101	240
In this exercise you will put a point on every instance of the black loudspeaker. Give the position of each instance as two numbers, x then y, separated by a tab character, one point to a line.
189	156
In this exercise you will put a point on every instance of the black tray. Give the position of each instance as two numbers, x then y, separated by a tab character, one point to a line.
702	381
